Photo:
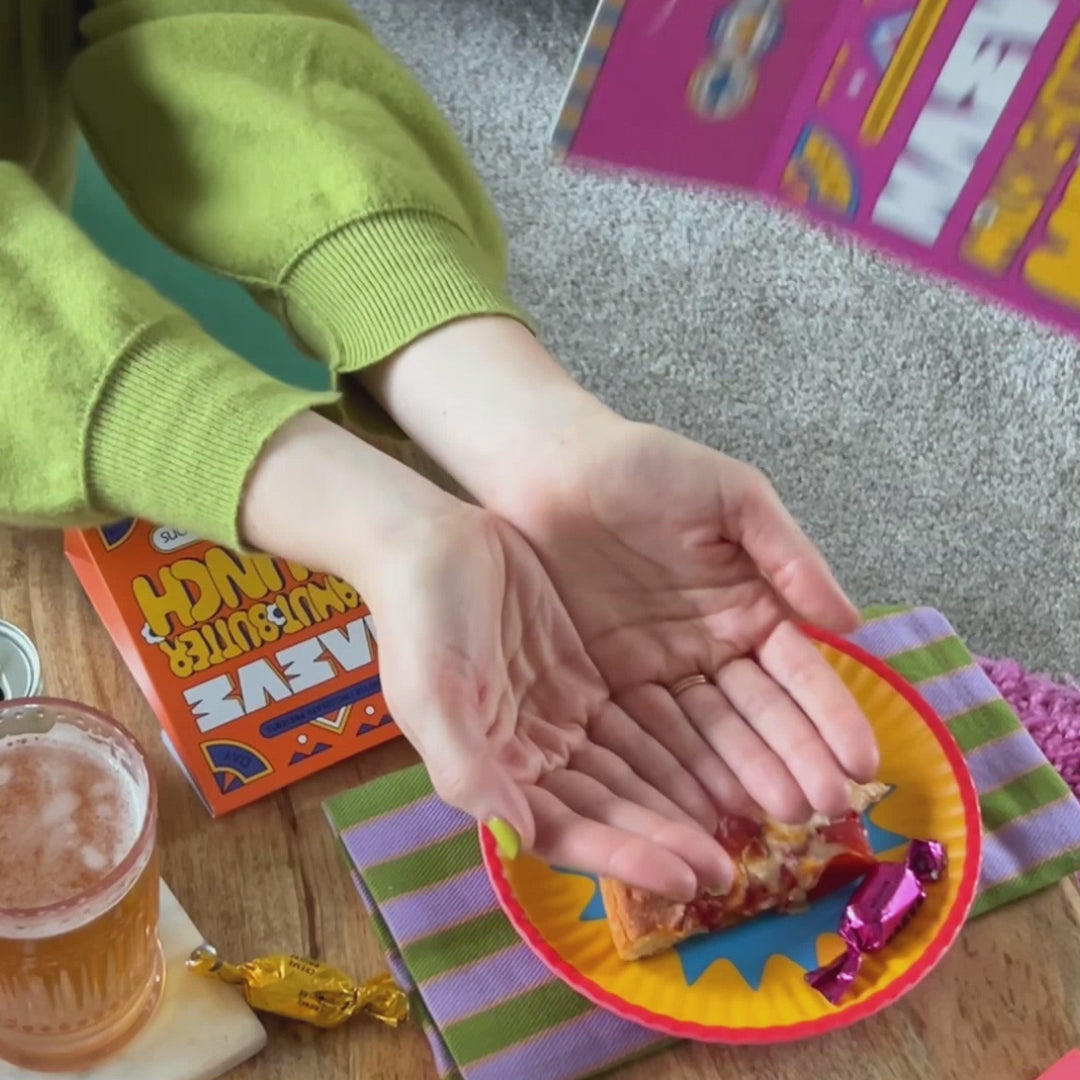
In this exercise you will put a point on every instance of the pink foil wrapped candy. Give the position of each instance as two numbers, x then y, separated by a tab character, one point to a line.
883	904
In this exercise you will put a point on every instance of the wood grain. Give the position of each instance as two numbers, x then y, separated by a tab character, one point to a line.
1004	1005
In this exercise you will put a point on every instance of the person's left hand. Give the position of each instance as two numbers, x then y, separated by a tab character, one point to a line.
676	561
682	572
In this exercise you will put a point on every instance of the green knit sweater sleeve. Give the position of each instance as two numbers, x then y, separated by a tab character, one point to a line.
112	401
276	142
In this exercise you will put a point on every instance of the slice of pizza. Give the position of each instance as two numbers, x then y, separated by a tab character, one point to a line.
777	868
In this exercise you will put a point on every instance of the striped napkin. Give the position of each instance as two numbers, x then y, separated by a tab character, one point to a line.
491	1010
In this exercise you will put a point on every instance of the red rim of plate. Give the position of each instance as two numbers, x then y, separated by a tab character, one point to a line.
844	1016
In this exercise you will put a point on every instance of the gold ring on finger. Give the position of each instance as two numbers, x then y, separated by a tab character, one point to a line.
684	684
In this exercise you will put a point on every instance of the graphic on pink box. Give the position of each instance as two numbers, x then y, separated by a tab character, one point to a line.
944	132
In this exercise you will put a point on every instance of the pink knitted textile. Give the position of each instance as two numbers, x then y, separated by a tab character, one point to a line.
1049	710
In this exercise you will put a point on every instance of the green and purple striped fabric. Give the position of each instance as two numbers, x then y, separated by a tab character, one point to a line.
492	1011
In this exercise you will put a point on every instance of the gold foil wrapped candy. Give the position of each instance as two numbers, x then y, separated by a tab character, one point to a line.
304	989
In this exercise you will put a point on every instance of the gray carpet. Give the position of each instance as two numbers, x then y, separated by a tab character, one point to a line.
928	442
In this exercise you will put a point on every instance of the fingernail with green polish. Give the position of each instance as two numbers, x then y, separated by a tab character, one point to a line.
506	838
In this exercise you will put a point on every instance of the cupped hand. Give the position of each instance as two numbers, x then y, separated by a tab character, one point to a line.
674	560
486	674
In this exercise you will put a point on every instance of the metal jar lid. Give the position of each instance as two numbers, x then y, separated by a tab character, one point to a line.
20	665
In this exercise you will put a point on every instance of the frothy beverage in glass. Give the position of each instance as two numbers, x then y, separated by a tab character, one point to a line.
80	963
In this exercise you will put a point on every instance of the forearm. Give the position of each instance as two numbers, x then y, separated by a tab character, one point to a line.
328	500
486	401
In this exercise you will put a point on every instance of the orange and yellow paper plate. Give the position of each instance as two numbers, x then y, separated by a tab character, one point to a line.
747	984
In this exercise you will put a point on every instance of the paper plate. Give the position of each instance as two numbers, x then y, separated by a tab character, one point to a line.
746	985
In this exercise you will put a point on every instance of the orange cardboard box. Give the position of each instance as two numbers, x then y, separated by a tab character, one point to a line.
259	671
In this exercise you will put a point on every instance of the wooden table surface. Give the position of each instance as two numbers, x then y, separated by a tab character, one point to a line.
1004	1005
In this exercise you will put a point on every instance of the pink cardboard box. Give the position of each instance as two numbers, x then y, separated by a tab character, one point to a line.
943	132
1068	1068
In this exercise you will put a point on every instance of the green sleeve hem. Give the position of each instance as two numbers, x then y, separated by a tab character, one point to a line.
177	426
377	284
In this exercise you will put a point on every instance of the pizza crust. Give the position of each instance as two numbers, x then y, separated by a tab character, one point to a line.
641	922
863	796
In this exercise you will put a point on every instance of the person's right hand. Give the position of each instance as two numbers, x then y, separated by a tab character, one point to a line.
481	665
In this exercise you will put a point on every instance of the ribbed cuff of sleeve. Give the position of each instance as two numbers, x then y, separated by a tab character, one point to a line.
377	284
178	425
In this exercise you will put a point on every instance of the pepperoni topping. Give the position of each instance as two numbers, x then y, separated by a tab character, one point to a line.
841	870
741	838
848	833
785	873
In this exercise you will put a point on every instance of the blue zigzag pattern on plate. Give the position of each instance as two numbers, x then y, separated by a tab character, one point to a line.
750	946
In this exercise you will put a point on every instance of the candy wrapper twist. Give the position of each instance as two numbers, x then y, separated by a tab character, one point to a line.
304	989
882	906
